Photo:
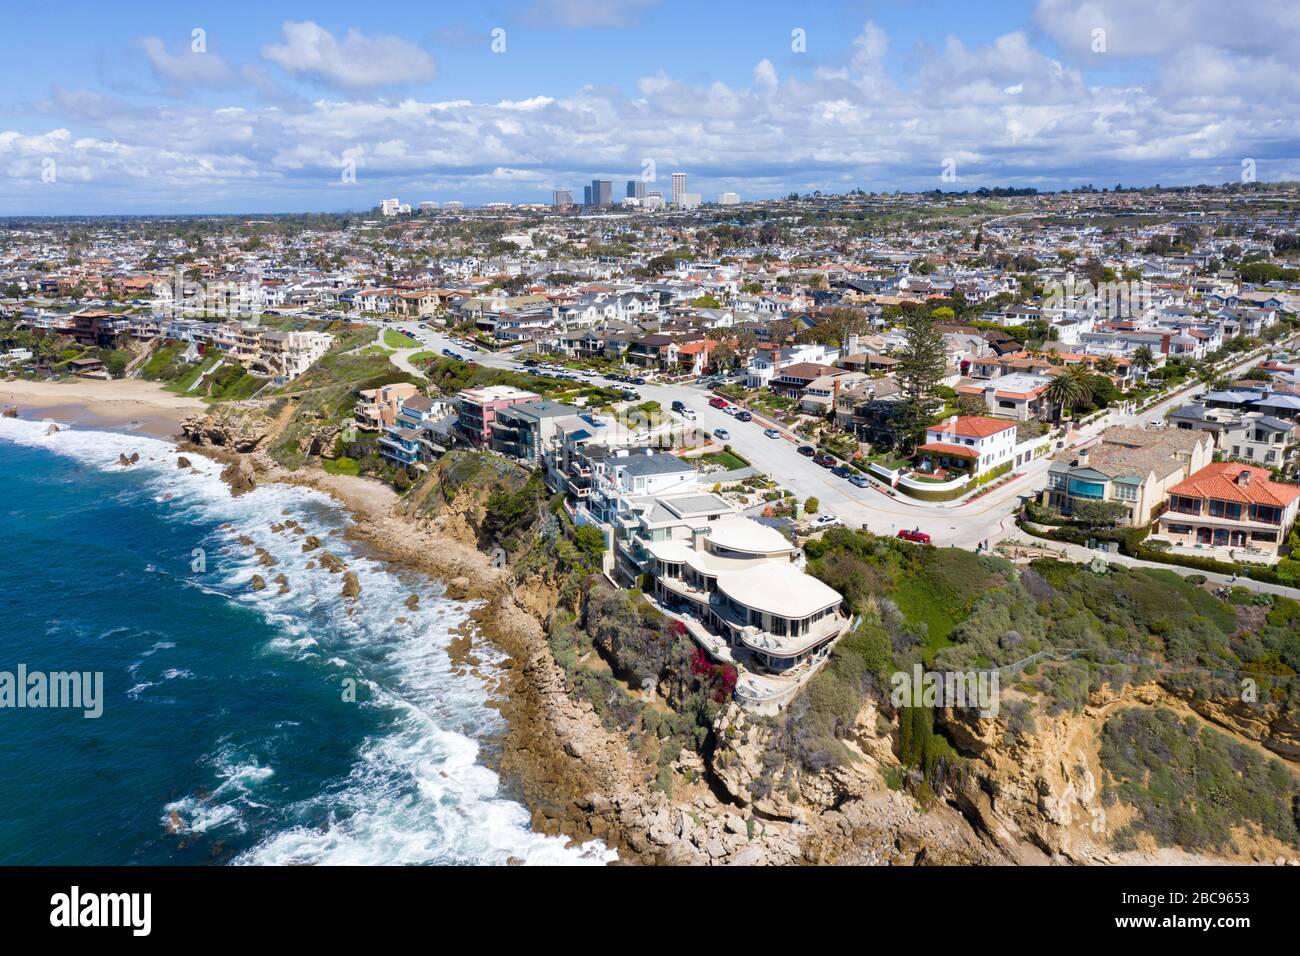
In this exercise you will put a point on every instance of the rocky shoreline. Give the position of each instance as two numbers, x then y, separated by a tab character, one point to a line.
582	781
578	779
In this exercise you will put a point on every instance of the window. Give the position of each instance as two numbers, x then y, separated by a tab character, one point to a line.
1087	489
1225	509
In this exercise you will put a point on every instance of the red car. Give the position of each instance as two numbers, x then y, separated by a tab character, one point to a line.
917	535
718	402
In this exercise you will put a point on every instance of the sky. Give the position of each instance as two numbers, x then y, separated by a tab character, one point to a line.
182	107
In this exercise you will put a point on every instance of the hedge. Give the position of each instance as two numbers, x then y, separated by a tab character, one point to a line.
1131	546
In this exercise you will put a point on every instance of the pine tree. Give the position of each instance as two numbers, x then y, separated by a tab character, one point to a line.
920	368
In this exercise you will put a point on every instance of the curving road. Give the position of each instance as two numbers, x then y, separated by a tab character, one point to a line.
989	517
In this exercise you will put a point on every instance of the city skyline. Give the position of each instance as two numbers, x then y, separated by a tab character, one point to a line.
154	110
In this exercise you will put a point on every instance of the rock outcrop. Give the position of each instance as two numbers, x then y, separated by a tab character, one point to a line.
239	475
224	429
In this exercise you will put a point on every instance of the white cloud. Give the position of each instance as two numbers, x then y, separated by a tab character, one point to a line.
358	62
186	68
1159	27
1008	111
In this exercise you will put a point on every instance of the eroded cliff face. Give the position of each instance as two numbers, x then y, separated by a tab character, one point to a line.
1018	797
845	814
227	428
1029	796
1044	788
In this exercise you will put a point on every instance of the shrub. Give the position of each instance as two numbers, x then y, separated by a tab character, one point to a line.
1193	785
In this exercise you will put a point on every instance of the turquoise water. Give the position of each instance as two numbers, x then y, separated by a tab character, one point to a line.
225	736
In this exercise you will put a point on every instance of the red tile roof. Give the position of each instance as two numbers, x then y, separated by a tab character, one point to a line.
973	426
1220	480
943	448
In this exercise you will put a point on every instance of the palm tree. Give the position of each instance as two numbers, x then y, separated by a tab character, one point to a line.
1143	359
746	342
1107	365
1069	388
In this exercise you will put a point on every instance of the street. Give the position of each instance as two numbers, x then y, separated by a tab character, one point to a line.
987	518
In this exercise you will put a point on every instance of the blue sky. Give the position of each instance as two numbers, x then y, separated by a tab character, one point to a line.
116	108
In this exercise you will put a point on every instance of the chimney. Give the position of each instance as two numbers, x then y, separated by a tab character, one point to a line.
1243	477
1083	457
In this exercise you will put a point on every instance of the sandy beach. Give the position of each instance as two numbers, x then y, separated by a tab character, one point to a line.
126	404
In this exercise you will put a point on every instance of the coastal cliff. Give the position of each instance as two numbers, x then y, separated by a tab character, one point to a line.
597	752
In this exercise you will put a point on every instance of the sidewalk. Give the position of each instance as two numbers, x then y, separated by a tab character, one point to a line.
1084	555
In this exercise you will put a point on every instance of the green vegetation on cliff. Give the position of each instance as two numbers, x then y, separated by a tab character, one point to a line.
1070	631
1192	785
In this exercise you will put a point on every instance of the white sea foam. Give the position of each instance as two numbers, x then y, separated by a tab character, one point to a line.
417	793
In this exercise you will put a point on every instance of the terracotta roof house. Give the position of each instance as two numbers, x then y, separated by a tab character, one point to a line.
1228	504
978	443
1133	467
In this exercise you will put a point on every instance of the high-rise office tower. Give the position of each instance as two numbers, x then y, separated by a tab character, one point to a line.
586	195
602	192
679	188
636	189
561	198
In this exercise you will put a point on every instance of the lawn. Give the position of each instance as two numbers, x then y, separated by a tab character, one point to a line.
396	340
727	460
341	466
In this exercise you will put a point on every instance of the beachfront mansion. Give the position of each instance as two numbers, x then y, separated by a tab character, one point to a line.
735	583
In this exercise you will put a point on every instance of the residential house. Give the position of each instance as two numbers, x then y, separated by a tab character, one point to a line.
377	408
735	583
409	441
968	443
1133	467
1232	505
476	409
525	430
1020	396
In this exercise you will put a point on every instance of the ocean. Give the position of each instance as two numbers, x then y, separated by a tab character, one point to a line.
227	734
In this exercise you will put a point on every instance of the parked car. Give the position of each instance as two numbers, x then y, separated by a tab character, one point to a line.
722	434
718	403
687	414
916	534
771	433
807	450
825	460
679	405
744	416
859	479
637	381
842	471
825	521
